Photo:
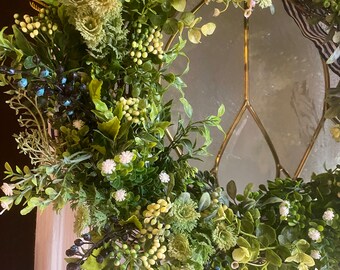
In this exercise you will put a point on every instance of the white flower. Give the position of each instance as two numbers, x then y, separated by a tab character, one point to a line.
126	157
108	166
164	177
314	234
7	189
120	195
5	206
78	124
315	254
328	215
284	208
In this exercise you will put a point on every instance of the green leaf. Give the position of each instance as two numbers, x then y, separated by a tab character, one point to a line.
171	26
179	5
26	210
231	189
221	111
242	242
187	106
272	200
22	42
111	128
95	87
265	234
133	219
204	202
187	18
208	29
273	258
29	63
50	192
8	167
194	35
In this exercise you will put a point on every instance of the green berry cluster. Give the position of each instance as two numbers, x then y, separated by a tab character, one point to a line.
154	232
132	111
42	22
147	41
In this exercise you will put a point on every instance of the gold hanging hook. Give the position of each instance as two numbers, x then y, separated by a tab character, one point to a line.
37	5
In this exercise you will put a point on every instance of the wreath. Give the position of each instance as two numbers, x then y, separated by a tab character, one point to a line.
87	81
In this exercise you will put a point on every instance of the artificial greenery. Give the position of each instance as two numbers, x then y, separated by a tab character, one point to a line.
87	81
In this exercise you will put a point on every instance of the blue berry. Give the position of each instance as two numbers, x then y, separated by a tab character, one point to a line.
63	80
69	113
40	92
44	73
11	71
22	83
67	103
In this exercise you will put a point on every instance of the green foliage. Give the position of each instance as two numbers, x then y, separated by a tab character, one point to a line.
89	95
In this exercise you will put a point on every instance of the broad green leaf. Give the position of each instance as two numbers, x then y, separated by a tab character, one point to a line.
231	189
111	128
221	111
133	219
208	29
179	5
242	242
194	35
187	18
50	192
22	42
171	26
29	63
187	106
265	234
272	200
273	258
204	202
26	210
8	167
247	226
306	259
95	87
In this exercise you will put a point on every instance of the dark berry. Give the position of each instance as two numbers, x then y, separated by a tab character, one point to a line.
100	259
70	252
87	237
60	69
104	253
73	266
78	242
115	220
82	87
36	59
125	237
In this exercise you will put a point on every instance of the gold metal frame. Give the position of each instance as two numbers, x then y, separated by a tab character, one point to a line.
247	106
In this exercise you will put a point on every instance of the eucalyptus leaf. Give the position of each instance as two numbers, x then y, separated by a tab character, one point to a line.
204	202
194	35
208	29
231	189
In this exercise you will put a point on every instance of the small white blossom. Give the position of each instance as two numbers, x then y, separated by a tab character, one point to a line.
120	195
7	189
284	208
328	215
164	177
126	157
108	166
314	234
5	206
78	124
315	254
